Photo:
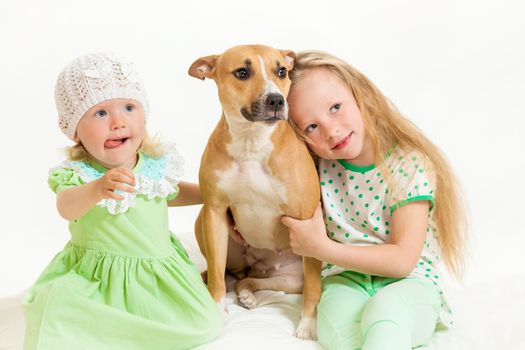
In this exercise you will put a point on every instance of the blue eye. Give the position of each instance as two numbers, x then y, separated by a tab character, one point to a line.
130	108
102	113
335	108
310	128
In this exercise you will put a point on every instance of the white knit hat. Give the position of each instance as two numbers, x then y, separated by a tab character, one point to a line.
92	79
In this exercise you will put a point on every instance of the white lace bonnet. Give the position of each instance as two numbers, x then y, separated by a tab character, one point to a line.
92	79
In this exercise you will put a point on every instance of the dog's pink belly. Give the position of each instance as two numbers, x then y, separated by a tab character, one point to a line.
268	263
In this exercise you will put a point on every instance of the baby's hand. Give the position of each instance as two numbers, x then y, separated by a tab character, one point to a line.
117	179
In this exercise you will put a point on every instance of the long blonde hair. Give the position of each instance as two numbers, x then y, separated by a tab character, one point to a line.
150	145
386	127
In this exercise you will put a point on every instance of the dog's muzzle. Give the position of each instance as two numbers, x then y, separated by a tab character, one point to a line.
269	109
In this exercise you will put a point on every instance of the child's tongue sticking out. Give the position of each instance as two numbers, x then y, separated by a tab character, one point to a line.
113	143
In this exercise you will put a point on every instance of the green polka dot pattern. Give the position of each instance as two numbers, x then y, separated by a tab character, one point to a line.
359	204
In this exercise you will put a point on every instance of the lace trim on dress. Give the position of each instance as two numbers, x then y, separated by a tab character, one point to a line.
157	177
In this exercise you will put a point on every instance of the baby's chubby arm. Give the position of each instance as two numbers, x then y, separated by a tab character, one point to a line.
395	259
74	202
189	194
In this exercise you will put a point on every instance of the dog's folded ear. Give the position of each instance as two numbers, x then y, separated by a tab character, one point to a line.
289	56
203	67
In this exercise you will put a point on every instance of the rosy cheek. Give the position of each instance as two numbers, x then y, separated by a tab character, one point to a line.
316	145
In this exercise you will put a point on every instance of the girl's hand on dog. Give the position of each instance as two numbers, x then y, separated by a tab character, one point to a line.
307	237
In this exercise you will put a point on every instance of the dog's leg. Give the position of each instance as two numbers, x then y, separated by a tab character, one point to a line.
236	263
215	238
246	287
200	241
307	328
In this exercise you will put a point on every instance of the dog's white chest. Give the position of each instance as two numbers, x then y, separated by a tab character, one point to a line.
251	181
256	196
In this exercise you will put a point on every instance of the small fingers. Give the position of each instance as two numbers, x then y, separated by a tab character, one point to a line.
122	175
110	194
123	178
115	182
119	186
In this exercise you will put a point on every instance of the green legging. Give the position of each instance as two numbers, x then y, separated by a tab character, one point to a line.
366	312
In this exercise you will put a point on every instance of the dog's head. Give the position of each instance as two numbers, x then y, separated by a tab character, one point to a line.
252	81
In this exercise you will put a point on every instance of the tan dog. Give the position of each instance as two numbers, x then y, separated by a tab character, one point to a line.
255	170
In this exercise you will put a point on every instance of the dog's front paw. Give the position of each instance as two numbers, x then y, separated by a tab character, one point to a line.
247	299
307	328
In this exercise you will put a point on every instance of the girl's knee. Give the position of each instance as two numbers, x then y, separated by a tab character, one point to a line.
336	299
399	316
386	323
386	334
326	334
334	336
384	306
339	318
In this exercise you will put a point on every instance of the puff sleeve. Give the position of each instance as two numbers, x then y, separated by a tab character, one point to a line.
413	179
61	178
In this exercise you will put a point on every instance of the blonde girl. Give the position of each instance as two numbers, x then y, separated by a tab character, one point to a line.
123	281
391	206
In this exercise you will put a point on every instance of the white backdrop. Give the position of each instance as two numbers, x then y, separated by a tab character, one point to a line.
457	69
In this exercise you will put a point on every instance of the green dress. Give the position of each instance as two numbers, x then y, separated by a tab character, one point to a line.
123	281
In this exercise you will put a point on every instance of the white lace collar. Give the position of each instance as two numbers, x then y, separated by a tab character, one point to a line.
154	177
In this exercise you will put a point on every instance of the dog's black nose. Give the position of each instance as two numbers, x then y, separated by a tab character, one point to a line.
274	101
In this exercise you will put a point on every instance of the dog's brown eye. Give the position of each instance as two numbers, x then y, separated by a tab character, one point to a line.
242	73
281	73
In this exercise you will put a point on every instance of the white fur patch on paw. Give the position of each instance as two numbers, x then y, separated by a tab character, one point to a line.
307	328
247	299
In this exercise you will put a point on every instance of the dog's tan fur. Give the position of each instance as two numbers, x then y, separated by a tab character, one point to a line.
257	171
